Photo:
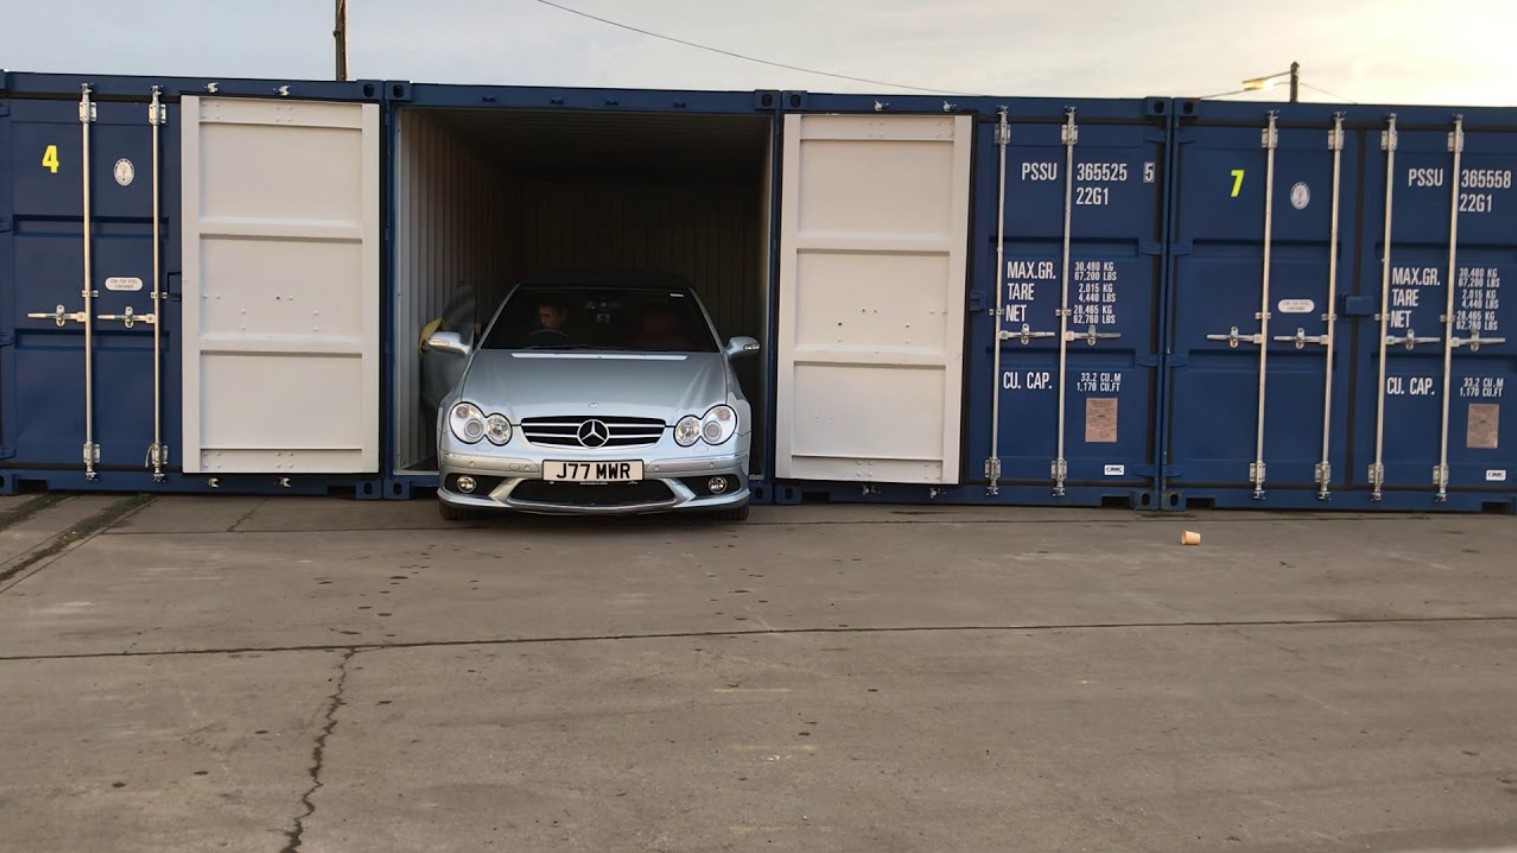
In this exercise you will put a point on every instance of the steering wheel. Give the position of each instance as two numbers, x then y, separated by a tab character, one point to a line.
547	337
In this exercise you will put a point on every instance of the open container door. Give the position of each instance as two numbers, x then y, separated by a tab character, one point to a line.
873	255
281	286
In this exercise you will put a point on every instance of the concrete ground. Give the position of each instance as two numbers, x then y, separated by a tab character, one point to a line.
324	675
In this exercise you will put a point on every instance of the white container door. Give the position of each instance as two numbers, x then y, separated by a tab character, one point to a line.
873	245
281	286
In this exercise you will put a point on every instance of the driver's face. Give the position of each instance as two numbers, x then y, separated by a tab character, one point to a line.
549	317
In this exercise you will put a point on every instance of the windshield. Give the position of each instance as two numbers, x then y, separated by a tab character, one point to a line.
567	318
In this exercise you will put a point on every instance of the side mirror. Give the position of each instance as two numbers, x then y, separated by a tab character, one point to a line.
741	346
449	342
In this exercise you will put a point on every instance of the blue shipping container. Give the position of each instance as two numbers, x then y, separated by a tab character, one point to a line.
1066	247
93	289
1310	366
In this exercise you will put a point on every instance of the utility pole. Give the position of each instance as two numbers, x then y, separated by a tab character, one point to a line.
1295	77
340	34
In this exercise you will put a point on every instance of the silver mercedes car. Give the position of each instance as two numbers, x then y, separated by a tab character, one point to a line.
604	393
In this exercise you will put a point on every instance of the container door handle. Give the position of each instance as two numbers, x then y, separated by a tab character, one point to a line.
1233	338
1301	339
130	319
1025	335
1410	339
58	316
1090	336
1476	342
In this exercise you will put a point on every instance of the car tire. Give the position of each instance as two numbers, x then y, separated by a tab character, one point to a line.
450	512
736	514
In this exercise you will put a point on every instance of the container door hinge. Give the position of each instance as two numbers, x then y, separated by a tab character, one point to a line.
5	224
1335	137
5	110
7	341
1377	480
1069	134
7	452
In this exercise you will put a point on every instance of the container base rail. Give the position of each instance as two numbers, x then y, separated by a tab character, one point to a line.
14	482
972	494
1306	499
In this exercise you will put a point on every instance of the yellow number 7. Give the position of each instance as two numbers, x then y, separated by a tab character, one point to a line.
1237	181
50	159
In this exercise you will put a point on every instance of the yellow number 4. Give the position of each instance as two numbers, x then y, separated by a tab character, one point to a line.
1237	181
50	159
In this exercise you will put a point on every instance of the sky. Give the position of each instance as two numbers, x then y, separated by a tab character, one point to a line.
1455	52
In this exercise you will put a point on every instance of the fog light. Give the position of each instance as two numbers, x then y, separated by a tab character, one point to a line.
466	484
717	485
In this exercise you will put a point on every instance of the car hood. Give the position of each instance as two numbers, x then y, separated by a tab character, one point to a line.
537	384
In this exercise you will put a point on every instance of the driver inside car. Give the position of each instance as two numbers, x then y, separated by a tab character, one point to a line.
549	330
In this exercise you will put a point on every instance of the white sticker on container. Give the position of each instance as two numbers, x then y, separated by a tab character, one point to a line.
125	172
127	285
1297	306
1497	476
1301	196
1116	470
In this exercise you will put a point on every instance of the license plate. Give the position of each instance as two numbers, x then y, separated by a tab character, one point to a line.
593	472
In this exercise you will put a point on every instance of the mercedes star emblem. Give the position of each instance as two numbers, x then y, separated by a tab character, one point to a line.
594	433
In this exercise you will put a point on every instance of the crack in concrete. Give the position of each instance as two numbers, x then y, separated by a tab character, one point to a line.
249	514
354	648
296	836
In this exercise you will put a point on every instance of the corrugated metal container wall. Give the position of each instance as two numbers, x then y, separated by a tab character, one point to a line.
124	200
540	180
451	209
1311	367
1069	256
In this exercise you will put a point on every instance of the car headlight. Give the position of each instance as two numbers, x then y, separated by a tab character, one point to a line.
497	429
687	431
467	423
718	425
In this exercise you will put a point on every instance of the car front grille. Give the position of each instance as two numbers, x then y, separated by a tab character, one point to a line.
565	431
580	494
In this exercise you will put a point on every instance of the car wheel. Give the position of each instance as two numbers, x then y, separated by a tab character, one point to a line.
450	512
735	514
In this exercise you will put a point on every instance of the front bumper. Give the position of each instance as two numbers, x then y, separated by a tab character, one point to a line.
668	485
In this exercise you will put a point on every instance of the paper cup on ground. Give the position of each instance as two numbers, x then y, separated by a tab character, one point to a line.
1190	537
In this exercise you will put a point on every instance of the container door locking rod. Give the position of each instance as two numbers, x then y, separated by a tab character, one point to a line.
1441	473
1270	139
1377	468
993	464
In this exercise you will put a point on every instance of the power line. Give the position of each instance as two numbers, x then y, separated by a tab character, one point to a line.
1327	93
718	50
